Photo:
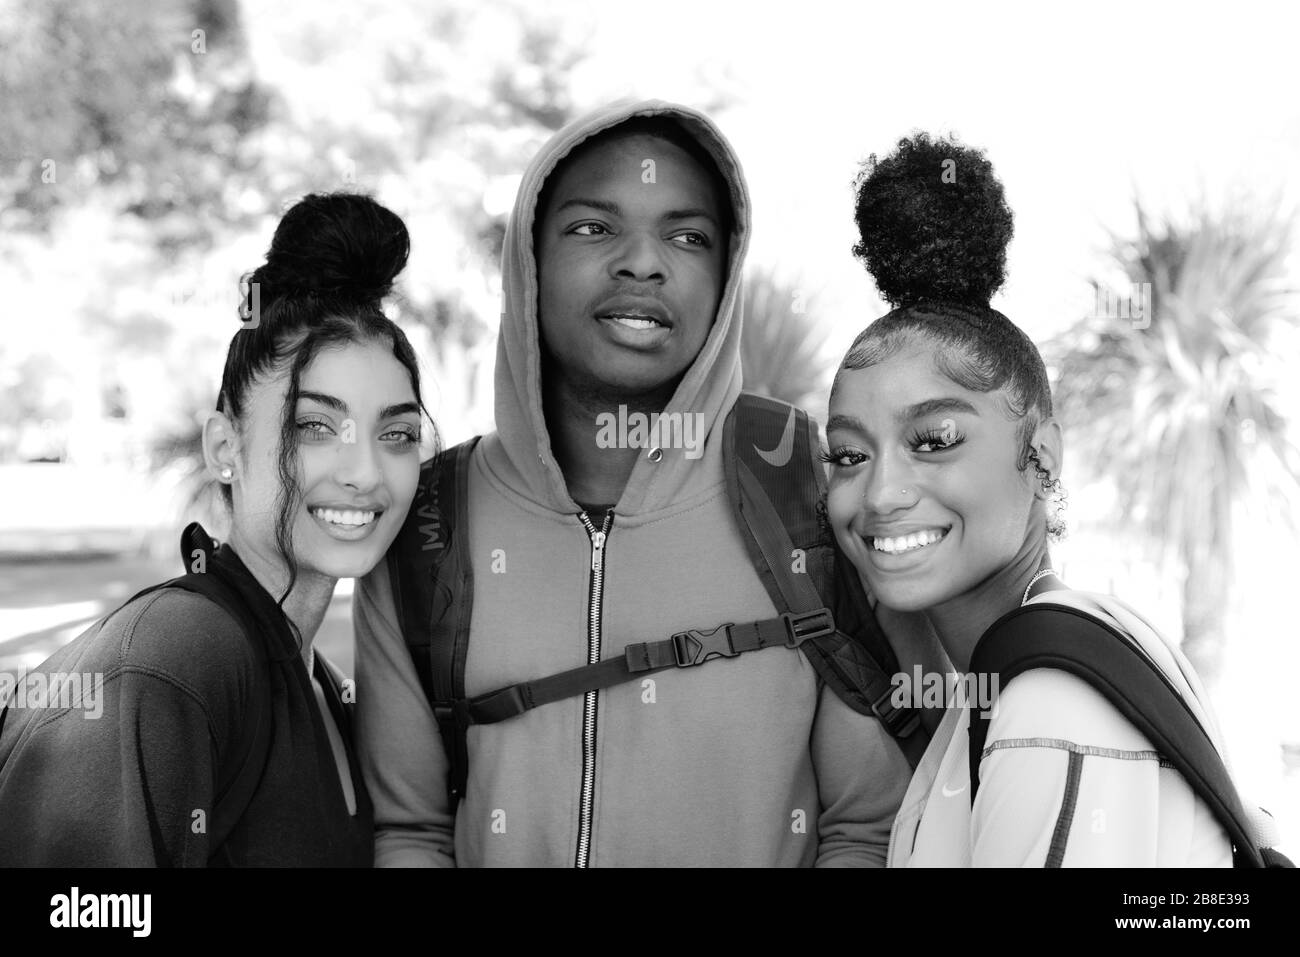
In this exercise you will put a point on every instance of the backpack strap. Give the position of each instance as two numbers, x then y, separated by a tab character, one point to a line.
231	796
433	588
775	485
1057	636
234	795
685	649
432	580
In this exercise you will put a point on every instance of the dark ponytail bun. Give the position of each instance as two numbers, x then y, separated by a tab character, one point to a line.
332	261
934	224
341	247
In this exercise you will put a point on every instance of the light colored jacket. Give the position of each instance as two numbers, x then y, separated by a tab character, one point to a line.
747	761
1065	777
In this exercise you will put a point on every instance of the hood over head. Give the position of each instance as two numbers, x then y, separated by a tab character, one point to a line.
520	452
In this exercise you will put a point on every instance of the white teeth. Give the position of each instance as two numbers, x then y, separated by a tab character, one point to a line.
635	322
907	543
349	517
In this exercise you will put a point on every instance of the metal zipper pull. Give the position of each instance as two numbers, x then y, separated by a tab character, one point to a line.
597	551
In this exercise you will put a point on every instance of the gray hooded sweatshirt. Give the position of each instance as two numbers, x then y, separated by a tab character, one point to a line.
747	761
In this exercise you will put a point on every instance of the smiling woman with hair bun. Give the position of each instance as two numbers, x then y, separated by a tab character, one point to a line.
222	739
945	465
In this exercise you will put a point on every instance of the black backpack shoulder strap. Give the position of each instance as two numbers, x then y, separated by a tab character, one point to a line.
776	484
231	795
775	444
433	589
1042	635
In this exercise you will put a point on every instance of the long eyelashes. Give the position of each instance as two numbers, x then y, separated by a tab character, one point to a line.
836	457
926	442
939	439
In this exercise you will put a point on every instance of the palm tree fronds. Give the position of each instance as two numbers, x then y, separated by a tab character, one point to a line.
783	341
1184	414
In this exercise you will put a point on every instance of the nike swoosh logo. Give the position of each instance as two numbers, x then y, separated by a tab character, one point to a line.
951	792
780	455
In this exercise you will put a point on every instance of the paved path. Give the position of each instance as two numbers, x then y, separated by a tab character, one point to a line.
46	602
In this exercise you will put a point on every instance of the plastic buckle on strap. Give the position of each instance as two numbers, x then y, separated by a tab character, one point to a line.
807	624
453	713
696	647
899	722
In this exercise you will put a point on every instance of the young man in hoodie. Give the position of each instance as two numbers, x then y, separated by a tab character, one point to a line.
622	272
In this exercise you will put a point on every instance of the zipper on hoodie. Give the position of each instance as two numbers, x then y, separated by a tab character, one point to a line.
595	596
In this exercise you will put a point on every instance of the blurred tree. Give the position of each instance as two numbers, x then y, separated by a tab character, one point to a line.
435	109
131	100
176	132
783	341
1183	414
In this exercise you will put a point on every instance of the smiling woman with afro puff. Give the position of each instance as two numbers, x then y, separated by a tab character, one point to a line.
945	463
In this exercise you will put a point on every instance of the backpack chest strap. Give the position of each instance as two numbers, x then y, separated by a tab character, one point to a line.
685	649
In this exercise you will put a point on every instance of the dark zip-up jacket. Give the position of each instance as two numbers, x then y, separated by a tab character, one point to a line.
145	782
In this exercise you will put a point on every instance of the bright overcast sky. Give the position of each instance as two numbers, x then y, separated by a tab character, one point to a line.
1076	107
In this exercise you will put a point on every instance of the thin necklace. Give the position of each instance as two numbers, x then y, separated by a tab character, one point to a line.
1037	575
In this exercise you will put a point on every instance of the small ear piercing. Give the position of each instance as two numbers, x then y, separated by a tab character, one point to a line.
227	473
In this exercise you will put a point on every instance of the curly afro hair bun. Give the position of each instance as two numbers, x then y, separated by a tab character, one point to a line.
342	246
934	223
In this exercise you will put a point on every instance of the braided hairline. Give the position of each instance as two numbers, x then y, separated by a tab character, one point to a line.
978	349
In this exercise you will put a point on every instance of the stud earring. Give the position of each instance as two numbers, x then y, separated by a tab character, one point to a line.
227	474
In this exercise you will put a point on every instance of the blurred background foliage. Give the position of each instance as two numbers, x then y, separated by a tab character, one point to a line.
148	132
145	126
784	339
1182	409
